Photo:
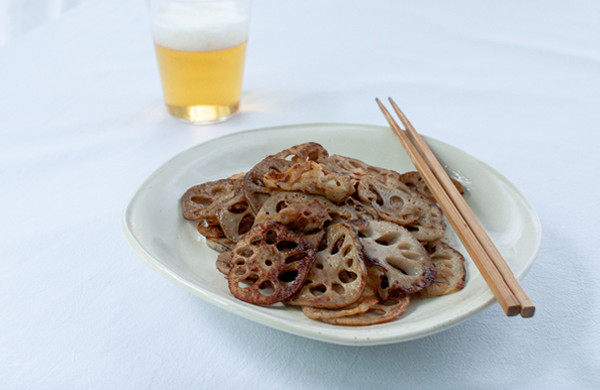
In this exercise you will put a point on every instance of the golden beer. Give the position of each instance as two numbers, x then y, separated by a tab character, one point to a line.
200	49
201	86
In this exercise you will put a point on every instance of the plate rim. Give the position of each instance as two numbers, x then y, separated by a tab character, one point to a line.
242	309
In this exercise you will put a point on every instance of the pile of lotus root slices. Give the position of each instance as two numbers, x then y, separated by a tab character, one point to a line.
347	242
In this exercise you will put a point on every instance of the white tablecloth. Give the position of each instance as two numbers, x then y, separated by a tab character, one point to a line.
82	124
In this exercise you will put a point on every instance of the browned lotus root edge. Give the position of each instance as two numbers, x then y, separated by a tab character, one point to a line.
269	264
379	313
309	151
368	299
450	265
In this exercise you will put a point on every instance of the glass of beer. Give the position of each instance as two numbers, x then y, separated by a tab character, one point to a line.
201	48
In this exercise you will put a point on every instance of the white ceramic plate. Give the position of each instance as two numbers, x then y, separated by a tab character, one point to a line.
153	224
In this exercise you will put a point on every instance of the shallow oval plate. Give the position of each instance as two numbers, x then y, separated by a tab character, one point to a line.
153	224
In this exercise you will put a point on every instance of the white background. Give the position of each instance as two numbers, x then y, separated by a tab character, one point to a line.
82	124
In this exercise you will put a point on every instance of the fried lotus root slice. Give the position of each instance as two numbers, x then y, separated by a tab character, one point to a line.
220	245
414	180
353	208
269	264
430	224
357	169
311	178
210	230
406	264
202	201
450	266
395	204
338	276
379	313
255	191
350	166
235	216
309	151
368	299
223	262
296	210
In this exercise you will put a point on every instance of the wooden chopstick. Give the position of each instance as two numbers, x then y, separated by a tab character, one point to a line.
482	251
527	307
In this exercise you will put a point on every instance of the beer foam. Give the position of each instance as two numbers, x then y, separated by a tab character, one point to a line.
200	26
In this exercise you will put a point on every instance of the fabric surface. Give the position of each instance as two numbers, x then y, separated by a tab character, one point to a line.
82	124
18	17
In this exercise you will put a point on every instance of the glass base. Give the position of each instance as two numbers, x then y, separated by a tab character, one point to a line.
203	114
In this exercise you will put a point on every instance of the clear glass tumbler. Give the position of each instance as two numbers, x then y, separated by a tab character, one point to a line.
201	49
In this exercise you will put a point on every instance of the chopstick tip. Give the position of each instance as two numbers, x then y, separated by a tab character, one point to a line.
527	311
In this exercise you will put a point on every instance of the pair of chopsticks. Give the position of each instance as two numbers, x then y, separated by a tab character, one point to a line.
494	269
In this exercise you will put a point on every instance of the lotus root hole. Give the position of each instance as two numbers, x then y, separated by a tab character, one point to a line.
385	283
338	288
346	276
201	200
238	208
396	201
317	290
389	302
322	245
338	244
398	264
245	252
239	271
268	263
347	249
266	288
440	257
388	239
245	224
313	156
281	205
319	265
365	233
411	255
248	281
376	311
349	262
271	237
295	257
404	246
218	190
284	246
288	276
378	198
